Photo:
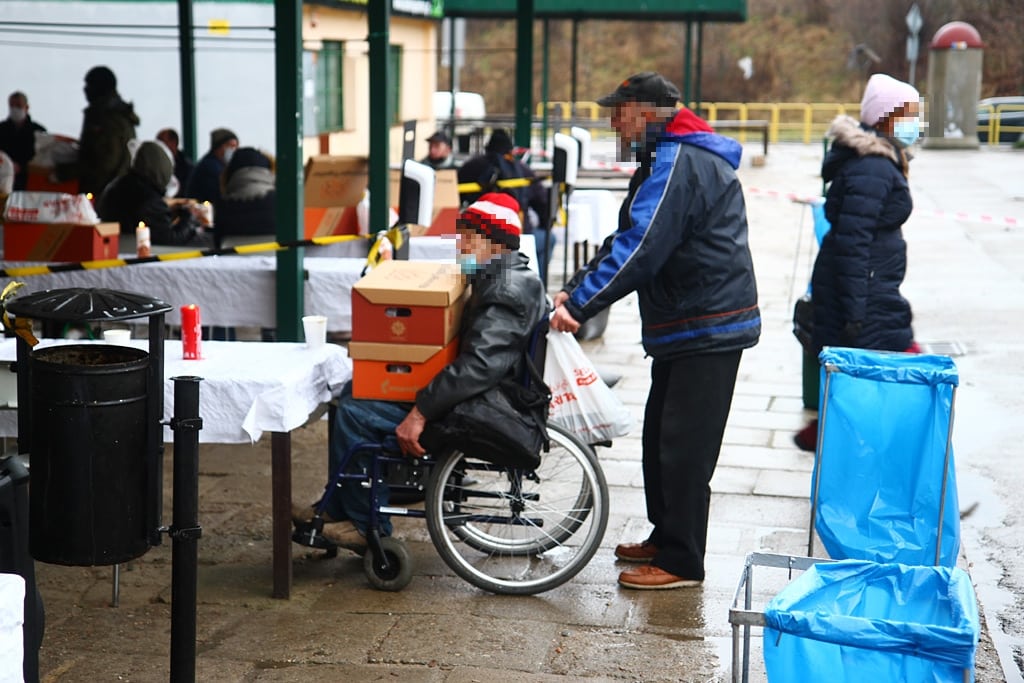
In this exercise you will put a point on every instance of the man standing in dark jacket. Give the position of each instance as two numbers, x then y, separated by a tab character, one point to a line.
682	246
18	137
506	303
107	126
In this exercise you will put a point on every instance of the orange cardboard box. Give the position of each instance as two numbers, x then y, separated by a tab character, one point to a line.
408	302
39	181
61	241
395	372
334	185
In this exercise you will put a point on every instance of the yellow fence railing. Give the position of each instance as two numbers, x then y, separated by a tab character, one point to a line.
787	121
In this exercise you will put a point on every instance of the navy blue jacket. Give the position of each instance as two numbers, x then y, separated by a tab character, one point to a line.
681	245
855	285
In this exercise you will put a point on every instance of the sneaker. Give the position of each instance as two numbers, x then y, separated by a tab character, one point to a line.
345	535
654	578
303	514
636	552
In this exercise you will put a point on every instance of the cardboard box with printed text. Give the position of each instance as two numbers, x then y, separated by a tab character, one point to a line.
334	186
61	241
395	372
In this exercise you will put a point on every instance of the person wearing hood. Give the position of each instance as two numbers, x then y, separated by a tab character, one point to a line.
204	182
247	198
855	283
138	196
108	124
681	245
18	137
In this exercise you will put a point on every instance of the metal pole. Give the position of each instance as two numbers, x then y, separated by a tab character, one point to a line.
185	530
544	84
687	62
574	68
379	17
818	462
288	88
524	72
187	62
945	478
700	64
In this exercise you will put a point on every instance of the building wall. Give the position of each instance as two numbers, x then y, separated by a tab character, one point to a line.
234	68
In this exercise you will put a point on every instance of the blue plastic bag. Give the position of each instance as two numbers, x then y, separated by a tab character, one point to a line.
885	422
821	224
854	621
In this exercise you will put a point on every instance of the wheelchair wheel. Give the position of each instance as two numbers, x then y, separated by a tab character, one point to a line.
519	532
399	572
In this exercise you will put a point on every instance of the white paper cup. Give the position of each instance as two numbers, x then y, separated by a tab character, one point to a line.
315	329
117	336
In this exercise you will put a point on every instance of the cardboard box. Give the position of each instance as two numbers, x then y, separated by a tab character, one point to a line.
61	241
395	372
446	200
38	180
408	302
334	185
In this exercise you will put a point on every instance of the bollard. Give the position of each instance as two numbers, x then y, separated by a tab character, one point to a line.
185	530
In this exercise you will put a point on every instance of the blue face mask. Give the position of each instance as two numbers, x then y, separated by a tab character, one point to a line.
906	131
467	263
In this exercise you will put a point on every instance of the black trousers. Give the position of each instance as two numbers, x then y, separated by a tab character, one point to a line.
683	426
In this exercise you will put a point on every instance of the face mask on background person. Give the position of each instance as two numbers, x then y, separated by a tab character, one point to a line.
228	153
906	130
17	114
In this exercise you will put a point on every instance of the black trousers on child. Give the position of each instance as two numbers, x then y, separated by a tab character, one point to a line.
684	422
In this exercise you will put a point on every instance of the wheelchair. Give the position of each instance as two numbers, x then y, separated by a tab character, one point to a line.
502	529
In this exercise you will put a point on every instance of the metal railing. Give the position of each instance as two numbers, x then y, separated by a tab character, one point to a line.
787	121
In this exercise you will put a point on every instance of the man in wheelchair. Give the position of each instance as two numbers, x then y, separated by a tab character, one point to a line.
506	303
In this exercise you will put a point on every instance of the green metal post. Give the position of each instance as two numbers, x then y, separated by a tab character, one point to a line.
379	17
524	71
545	84
288	84
187	63
700	64
687	62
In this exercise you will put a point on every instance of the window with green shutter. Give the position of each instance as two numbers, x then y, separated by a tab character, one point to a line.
330	113
395	83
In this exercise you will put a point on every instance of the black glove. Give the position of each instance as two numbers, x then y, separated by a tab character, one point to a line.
850	333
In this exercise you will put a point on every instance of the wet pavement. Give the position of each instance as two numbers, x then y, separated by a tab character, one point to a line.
965	284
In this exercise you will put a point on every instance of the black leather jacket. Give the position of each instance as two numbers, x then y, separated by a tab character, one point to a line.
505	305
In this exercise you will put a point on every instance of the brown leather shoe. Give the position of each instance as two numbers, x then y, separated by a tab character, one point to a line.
345	535
636	552
303	514
650	577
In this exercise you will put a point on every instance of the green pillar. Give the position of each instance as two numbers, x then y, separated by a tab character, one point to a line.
288	93
545	90
524	71
378	15
187	64
687	63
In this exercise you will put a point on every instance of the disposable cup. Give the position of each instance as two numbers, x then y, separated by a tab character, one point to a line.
315	329
117	336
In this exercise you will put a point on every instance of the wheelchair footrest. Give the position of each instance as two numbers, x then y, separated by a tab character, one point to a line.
310	535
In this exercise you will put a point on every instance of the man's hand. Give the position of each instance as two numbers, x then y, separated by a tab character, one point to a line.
561	298
562	320
408	433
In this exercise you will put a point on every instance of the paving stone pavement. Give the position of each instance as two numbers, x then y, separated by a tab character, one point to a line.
337	628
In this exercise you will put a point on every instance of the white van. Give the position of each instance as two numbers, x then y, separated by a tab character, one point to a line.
469	107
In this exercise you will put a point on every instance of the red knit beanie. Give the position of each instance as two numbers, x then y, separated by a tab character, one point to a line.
495	216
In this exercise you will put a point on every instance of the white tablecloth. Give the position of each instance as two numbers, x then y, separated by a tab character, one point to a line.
593	215
12	641
248	387
240	291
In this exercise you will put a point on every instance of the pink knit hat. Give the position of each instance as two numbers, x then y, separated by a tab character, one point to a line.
882	95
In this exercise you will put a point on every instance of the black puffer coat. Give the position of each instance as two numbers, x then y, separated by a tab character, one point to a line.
856	281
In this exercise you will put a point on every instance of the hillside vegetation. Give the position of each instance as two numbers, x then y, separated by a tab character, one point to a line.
801	51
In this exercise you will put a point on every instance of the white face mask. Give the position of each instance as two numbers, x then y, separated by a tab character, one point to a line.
17	114
172	187
228	153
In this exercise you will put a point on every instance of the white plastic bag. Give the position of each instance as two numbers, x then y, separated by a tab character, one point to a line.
580	401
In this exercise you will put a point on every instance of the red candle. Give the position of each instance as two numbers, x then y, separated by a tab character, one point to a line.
191	333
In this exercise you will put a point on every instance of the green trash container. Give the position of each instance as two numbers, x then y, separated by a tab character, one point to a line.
811	380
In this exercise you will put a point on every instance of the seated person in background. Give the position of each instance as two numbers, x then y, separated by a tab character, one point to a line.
182	164
507	301
204	182
138	196
247	202
18	137
498	163
439	154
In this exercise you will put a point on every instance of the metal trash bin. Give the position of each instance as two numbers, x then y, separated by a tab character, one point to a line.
89	411
89	421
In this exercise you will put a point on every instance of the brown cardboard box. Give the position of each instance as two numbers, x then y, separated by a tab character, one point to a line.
334	185
60	241
395	372
408	302
39	181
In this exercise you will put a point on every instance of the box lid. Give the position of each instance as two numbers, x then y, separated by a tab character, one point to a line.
335	180
395	353
413	283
